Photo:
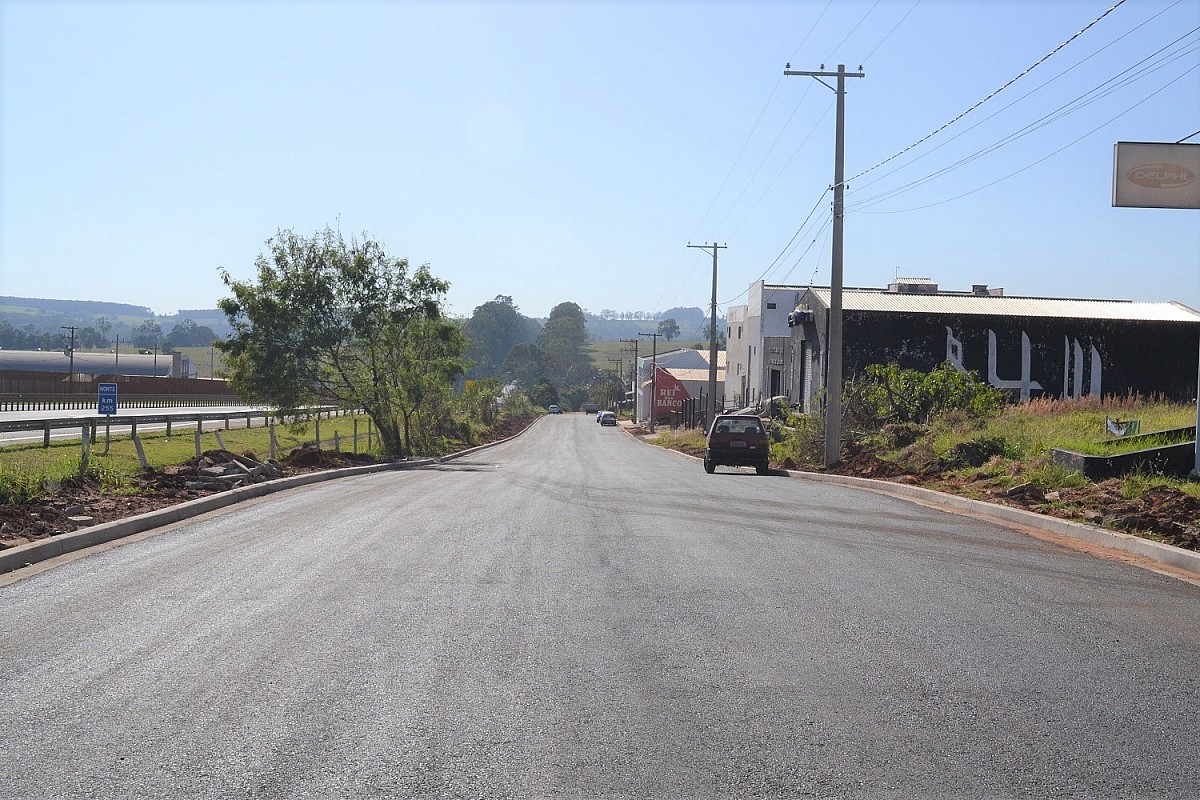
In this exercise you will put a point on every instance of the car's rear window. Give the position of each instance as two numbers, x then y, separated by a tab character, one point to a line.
735	425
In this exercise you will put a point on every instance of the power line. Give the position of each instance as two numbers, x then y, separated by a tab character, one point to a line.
786	247
1049	156
1076	104
1023	73
893	30
935	148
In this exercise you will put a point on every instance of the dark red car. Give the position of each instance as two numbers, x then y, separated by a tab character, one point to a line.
737	440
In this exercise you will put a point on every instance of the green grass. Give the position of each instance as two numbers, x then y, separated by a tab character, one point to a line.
680	438
25	470
1033	428
602	352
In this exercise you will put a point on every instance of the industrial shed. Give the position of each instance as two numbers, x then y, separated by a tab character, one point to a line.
50	372
163	365
1029	346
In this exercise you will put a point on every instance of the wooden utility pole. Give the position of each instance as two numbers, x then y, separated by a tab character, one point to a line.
71	355
710	408
653	377
833	359
636	377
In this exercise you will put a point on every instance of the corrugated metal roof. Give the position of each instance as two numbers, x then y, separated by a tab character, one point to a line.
697	374
1055	308
690	375
86	363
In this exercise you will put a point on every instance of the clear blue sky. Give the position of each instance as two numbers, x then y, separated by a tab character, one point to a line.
560	151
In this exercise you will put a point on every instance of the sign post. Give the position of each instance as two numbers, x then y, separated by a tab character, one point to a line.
106	404
106	398
1160	175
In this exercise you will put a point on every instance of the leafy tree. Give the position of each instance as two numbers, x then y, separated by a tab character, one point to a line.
493	330
543	394
188	334
668	329
103	324
525	364
704	334
89	338
343	320
481	399
148	334
562	341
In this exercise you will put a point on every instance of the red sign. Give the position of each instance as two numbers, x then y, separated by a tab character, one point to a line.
669	393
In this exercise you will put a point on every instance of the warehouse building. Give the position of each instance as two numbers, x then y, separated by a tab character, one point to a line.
1028	346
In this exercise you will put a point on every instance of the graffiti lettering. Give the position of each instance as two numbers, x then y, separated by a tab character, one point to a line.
1024	384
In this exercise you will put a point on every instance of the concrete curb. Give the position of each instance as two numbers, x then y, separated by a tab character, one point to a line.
1187	560
26	555
1165	554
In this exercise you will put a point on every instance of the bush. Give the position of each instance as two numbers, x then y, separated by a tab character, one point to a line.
889	394
900	434
799	437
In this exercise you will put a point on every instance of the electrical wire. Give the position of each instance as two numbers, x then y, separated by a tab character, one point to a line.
1011	81
1076	104
1050	155
860	186
785	249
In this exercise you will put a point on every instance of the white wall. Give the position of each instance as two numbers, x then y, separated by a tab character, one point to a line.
747	378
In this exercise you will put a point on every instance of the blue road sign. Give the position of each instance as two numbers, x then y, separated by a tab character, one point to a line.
106	398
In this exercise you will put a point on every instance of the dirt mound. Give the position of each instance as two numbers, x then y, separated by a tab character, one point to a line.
864	464
311	458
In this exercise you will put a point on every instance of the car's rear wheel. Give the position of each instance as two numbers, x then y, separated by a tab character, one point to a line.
709	466
762	469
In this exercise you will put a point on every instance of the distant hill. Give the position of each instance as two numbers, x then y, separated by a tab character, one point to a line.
50	315
608	328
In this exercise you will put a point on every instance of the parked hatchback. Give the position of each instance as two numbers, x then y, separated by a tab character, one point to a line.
736	440
608	418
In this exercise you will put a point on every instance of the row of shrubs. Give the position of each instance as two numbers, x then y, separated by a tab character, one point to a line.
949	420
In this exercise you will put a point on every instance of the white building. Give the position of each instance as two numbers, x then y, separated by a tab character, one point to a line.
758	344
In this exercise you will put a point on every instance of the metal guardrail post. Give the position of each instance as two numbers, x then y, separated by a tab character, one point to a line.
85	451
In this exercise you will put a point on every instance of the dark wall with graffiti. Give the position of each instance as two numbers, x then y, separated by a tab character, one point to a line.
1031	356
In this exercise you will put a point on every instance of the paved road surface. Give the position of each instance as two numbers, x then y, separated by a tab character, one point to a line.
574	614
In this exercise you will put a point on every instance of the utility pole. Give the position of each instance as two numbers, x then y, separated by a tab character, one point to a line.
653	377
620	362
636	377
710	408
71	355
833	360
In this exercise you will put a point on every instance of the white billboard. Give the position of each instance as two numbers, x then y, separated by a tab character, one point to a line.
1156	175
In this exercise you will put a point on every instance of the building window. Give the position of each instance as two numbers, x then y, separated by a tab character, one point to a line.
770	305
739	331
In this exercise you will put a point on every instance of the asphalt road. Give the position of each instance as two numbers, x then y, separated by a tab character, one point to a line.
575	614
